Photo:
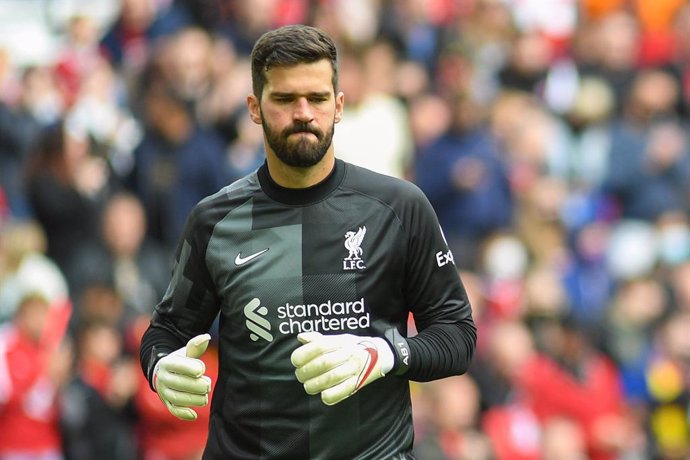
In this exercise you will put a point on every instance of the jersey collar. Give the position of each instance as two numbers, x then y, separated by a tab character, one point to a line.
301	196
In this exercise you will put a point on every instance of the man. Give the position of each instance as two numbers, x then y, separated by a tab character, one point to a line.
314	266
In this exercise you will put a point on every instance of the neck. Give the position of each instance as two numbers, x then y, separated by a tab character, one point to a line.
293	177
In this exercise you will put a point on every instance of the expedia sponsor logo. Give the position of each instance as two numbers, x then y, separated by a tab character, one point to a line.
256	322
444	258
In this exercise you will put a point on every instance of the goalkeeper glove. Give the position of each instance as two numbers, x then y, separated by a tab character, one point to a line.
179	378
337	366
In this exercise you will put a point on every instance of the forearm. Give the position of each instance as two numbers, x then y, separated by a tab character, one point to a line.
442	350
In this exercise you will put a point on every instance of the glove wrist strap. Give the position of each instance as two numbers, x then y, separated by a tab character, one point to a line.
156	355
401	350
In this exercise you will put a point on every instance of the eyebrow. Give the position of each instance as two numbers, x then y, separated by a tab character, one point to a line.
292	94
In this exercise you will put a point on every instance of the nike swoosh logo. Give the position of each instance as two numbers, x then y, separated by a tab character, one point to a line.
369	366
239	260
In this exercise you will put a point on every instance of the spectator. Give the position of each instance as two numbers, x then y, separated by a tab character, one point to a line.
454	405
572	379
461	173
128	41
96	415
40	100
188	65
669	389
79	56
125	258
489	31
583	160
66	186
528	66
177	164
634	314
614	53
222	107
36	366
100	114
509	421
374	120
585	275
99	302
24	266
649	163
39	104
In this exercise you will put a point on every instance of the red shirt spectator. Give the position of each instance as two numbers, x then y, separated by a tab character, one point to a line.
30	372
594	400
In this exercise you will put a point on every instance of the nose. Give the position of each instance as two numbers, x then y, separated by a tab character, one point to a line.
302	110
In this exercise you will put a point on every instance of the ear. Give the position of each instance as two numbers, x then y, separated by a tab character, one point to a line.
339	104
254	109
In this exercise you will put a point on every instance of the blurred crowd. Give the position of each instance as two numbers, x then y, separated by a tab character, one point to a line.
551	137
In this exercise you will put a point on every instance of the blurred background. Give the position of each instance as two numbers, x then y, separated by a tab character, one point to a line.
551	137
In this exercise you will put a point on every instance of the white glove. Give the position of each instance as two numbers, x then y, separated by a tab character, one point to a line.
337	366
179	378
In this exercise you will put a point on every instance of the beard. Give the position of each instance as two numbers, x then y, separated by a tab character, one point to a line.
302	152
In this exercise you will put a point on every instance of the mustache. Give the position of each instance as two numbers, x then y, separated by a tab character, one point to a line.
302	128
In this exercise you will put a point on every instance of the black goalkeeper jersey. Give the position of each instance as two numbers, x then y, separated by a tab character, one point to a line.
354	254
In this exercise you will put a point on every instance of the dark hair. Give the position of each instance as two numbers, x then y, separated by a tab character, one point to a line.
289	46
48	153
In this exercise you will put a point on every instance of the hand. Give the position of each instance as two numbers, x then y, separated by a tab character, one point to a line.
337	366
91	175
179	378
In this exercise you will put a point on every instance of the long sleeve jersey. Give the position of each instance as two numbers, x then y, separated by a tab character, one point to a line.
356	253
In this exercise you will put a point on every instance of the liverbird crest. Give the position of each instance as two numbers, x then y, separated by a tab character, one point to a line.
353	241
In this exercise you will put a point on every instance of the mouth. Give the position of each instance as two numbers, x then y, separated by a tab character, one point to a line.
304	133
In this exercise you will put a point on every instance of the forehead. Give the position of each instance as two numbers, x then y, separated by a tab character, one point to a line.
301	78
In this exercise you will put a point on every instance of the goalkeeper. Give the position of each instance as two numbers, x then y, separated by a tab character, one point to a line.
312	267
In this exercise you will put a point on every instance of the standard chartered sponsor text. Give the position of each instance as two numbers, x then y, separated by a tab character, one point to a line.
325	316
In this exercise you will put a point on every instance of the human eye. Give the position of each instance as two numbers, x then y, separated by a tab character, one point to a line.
318	98
283	98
